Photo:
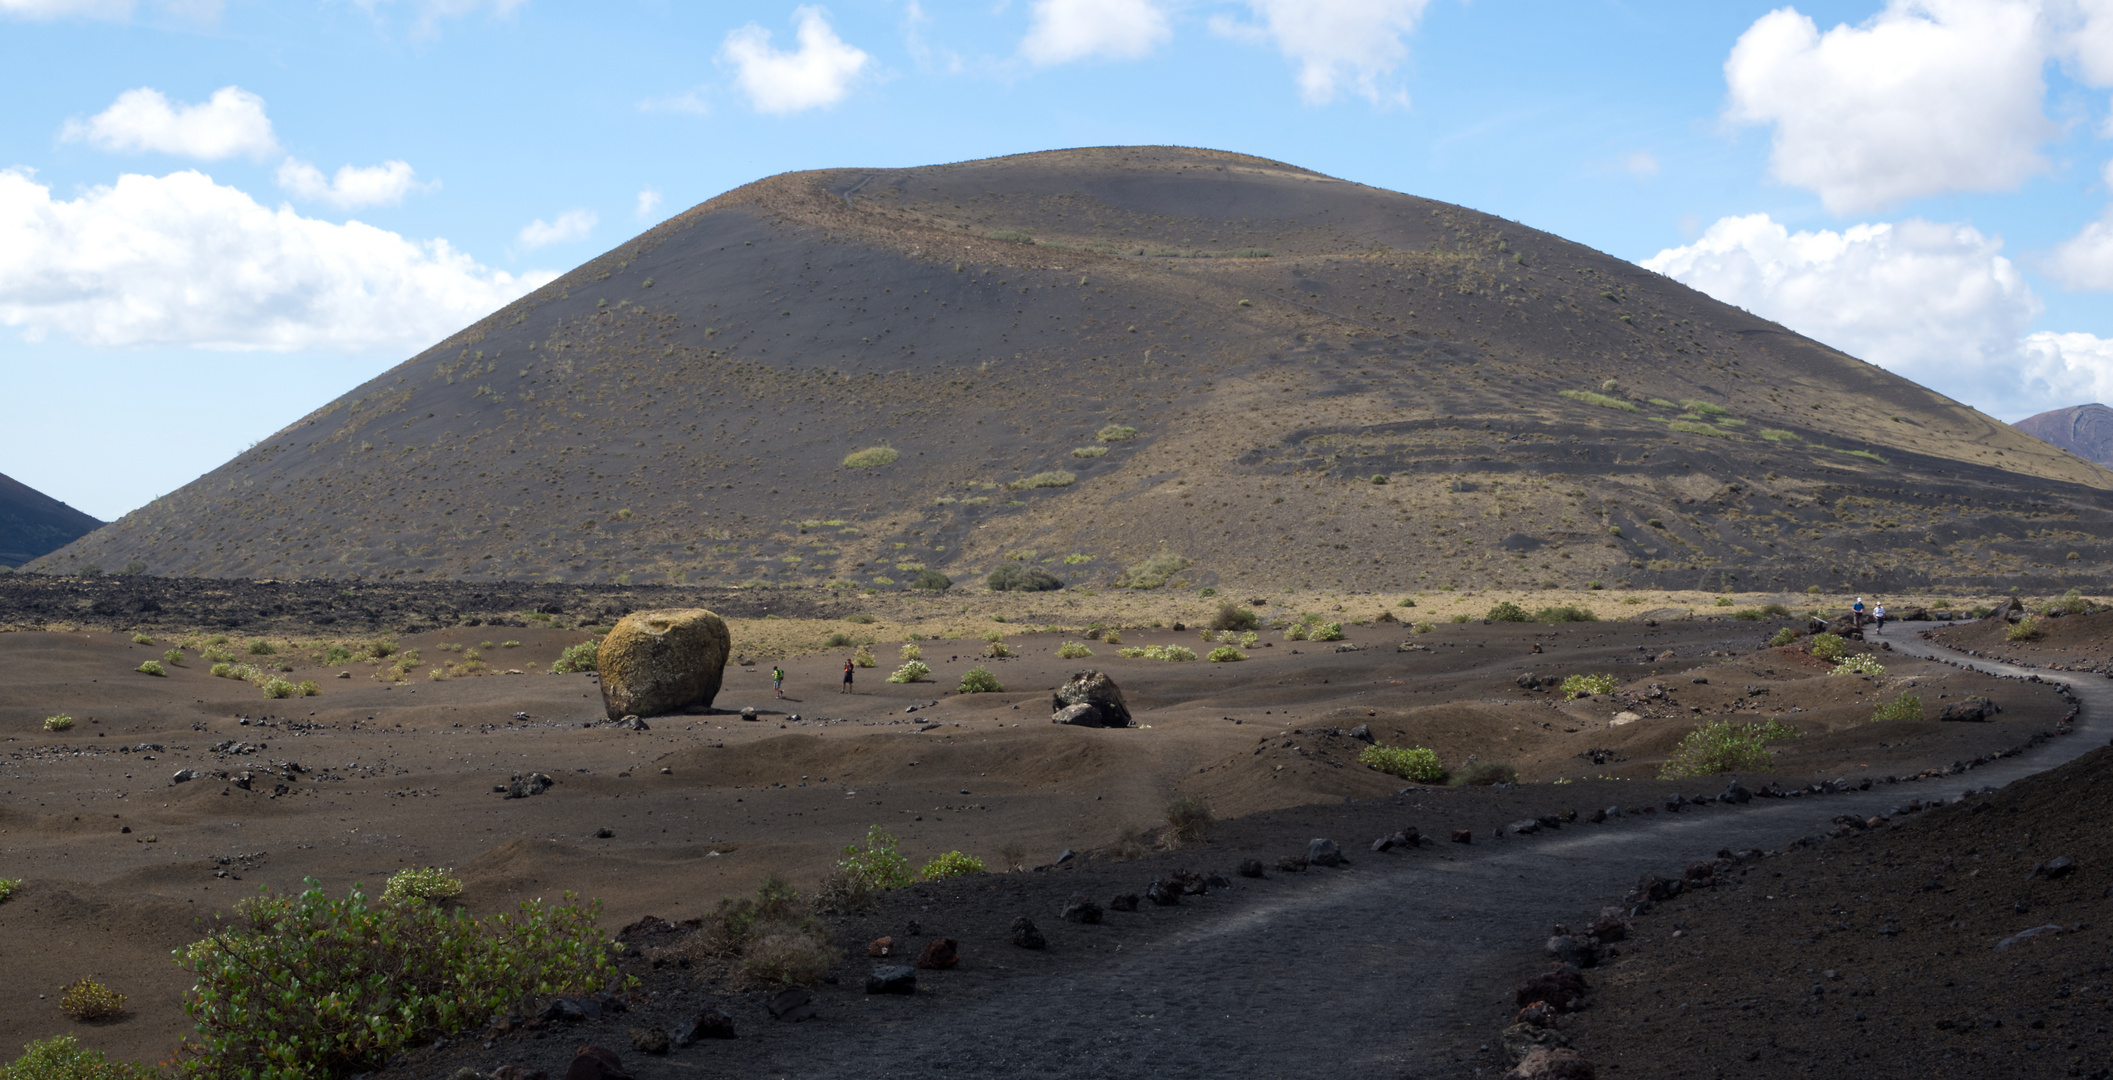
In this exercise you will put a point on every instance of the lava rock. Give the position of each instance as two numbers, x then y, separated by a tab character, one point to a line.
657	662
749	713
1561	989
650	1040
1523	828
1552	1063
1463	836
1027	935
521	787
518	1072
1523	1038
1123	902
939	954
1322	852
792	1006
892	979
1291	864
1081	909
1736	793
1098	690
1362	733
1077	716
712	1023
1969	710
595	1063
1250	868
1572	949
881	946
1596	817
1163	893
2060	866
184	776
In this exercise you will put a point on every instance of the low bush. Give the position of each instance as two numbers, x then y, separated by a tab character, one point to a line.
61	1058
1152	572
151	667
871	457
1089	451
87	1000
1722	746
1115	433
979	680
1724	601
860	618
1189	820
174	657
1485	773
8	887
1226	654
1565	613
1458	617
2072	602
911	651
1020	577
1506	611
1589	397
579	657
953	864
931	581
142	639
1860	664
2025	629
1113	636
310	987
1174	653
910	671
1231	616
1053	478
1827	646
1905	707
876	866
836	640
1073	650
430	884
1416	763
1423	628
1327	631
1577	686
261	647
1783	637
864	656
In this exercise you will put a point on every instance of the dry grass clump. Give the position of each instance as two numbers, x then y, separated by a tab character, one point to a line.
1189	821
769	941
871	457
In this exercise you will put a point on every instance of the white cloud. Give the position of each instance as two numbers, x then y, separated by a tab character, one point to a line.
1927	96
1067	30
230	123
385	184
2065	369
107	10
1642	164
570	225
1339	45
648	201
2085	261
818	74
181	260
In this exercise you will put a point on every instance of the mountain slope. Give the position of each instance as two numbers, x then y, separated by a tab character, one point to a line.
33	523
680	409
2083	430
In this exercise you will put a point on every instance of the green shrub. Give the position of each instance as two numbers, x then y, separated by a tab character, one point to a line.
1565	613
1327	631
911	671
876	866
1012	237
1722	746
1458	617
173	657
1506	611
1152	572
1020	577
579	657
151	667
871	457
836	640
1860	664
1783	637
261	647
1485	773
864	656
1408	762
1113	635
910	651
2025	629
134	567
860	618
61	1058
1226	654
142	639
1089	451
1577	686
275	687
931	581
8	887
2072	602
1053	478
313	987
1423	628
430	884
1073	650
768	942
87	1000
1827	646
1189	820
1249	639
1231	616
1115	433
953	864
1173	653
1704	407
979	680
1905	707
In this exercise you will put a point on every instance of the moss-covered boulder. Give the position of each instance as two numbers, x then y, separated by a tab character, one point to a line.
655	662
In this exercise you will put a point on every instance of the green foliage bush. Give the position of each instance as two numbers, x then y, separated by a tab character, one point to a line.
979	680
8	887
1506	611
1115	433
768	942
910	671
1783	637
61	722
87	1000
1172	653
151	667
1073	650
1905	707
579	657
1152	572
1565	613
1416	763
310	987
1577	686
871	457
2072	602
173	657
953	864
911	651
1231	616
1860	664
864	656
62	1058
876	866
1485	773
429	884
1089	451
1827	646
2025	629
932	581
1722	746
1327	631
261	647
142	639
1226	654
836	640
1020	577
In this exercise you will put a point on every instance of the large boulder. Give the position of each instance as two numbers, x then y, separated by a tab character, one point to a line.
1098	690
655	662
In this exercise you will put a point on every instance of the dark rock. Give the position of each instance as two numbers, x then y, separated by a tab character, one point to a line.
792	1006
649	1040
1610	927
1322	852
1098	690
1574	950
1077	716
595	1063
1027	935
939	954
1596	817
522	787
604	833
712	1023
1524	1037
1362	733
1081	909
1123	902
880	947
1463	836
1737	793
1969	710
1163	893
518	1072
184	776
1563	990
1552	1063
749	713
1291	864
1250	868
1523	828
1528	681
1700	872
892	979
2060	866
572	1010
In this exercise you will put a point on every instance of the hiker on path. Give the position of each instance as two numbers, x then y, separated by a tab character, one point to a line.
1856	613
847	676
1878	616
777	680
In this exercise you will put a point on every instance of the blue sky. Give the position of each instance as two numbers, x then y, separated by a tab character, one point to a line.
215	216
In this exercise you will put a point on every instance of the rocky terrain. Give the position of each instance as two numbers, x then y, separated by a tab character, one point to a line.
33	523
2083	430
1128	365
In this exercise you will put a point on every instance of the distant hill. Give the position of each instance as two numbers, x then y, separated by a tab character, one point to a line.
1084	358
33	523
2083	430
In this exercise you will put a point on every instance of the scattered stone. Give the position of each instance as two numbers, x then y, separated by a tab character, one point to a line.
1523	828
595	1063
1561	989
749	713
1322	852
1163	893
633	723
657	662
792	1006
573	1010
2028	935
1571	949
1027	935
1250	868
184	776
1077	716
1098	690
1081	909
1969	710
604	833
881	946
1552	1063
1522	1038
1123	902
1291	864
713	1023
1384	843
1463	836
1362	733
939	954
467	1073
1736	793
1066	856
1596	817
650	1040
521	787
892	979
2060	866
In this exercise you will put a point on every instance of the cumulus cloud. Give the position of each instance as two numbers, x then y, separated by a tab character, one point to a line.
1067	30
1340	46
2060	370
817	74
228	124
181	260
1642	164
385	184
570	225
648	201
2085	261
107	10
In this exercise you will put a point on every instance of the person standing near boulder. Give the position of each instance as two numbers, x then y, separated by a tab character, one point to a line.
1856	613
1878	617
777	680
848	665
